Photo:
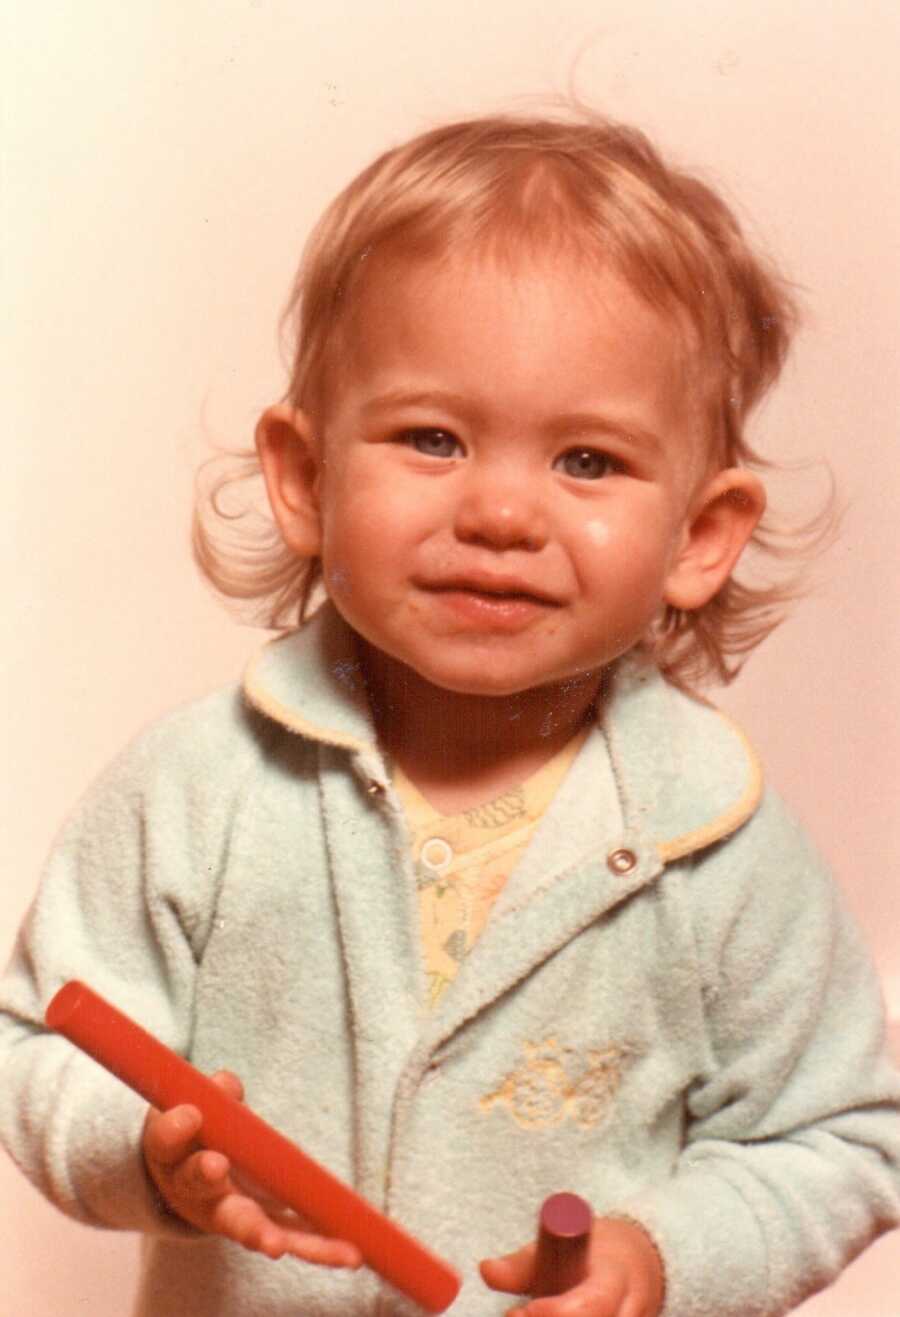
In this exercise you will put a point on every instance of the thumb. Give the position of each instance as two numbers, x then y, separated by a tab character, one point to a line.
512	1273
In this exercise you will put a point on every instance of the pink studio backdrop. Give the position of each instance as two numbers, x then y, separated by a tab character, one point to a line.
163	163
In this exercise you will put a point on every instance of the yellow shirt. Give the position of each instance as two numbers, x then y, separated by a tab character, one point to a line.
462	861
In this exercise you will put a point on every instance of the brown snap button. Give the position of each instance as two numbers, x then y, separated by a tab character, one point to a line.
622	861
375	788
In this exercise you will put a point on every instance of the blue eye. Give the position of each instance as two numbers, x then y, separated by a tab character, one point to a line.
432	443
584	463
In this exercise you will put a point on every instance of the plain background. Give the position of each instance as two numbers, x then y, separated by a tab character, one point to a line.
163	160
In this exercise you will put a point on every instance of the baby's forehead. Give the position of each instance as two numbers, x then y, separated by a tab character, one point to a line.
517	296
397	276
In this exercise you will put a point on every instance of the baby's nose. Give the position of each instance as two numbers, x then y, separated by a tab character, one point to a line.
503	513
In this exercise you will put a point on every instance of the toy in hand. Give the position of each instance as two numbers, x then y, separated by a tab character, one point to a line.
564	1233
166	1080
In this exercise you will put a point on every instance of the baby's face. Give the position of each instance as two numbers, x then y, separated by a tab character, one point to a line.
508	464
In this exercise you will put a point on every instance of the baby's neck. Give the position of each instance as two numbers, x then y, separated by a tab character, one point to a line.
462	750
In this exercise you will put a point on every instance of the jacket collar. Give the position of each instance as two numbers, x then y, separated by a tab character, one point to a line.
310	681
686	775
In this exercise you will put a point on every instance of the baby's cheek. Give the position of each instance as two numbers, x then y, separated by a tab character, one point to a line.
597	533
364	537
623	553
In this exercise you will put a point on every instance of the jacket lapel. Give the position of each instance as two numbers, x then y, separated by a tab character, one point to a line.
563	883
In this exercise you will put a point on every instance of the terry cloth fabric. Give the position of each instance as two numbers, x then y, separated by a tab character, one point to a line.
668	1011
462	861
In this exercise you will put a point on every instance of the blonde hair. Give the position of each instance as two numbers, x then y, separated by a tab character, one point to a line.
516	185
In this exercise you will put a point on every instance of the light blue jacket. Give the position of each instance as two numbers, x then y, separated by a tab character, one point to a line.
667	1012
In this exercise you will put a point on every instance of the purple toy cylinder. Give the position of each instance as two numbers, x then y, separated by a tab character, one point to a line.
564	1233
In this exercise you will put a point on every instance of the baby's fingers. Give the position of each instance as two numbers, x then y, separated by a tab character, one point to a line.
610	1291
301	1242
229	1081
170	1136
246	1222
605	1294
513	1273
199	1185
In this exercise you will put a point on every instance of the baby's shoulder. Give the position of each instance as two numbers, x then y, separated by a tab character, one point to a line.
718	811
218	722
201	746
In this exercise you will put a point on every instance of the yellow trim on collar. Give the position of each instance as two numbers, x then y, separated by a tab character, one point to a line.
289	718
731	818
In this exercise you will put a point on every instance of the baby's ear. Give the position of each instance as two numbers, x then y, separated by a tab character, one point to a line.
289	455
723	516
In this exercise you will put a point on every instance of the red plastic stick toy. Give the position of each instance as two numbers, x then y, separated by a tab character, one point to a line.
564	1232
165	1080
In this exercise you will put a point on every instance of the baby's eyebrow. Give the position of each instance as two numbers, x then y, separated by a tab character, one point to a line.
602	423
400	397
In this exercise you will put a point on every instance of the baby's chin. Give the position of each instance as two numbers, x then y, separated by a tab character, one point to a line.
488	681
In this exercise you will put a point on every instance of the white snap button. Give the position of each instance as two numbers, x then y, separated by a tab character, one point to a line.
622	861
436	855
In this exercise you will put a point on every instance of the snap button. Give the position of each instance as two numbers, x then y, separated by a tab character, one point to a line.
374	788
622	861
436	854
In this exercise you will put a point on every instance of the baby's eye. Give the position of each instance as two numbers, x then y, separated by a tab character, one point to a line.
585	463
432	443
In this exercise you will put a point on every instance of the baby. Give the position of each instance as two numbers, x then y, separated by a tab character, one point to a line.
463	886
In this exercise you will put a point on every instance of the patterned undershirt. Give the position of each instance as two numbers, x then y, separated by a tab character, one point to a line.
462	861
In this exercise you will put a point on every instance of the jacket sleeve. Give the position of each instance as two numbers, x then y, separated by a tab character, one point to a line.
125	905
791	1157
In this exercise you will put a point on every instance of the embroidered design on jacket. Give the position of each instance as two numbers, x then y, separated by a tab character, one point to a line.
556	1083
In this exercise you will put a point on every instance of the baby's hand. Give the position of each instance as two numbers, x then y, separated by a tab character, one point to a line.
624	1277
198	1185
